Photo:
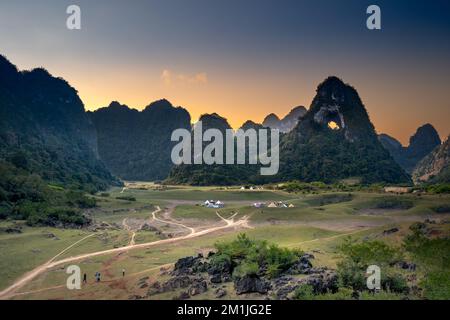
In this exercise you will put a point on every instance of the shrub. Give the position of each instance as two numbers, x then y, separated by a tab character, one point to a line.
394	283
126	198
436	285
304	292
358	256
250	257
445	208
394	203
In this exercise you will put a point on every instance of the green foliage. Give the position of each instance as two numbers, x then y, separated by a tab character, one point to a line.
126	198
28	197
77	198
358	256
249	257
433	258
432	254
304	292
436	285
370	252
393	282
327	199
394	203
439	188
445	208
136	145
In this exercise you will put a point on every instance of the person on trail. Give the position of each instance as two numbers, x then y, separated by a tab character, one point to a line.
123	273
85	278
97	276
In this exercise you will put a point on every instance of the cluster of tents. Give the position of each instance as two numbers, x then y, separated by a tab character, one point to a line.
278	204
213	204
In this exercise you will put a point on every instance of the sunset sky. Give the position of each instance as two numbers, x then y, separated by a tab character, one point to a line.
242	59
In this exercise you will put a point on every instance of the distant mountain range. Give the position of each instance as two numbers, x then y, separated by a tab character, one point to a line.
421	144
135	145
287	123
333	140
435	167
45	131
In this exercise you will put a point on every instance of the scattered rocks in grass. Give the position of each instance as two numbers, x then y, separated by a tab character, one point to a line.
249	284
12	230
303	265
219	293
407	266
198	287
390	231
182	296
49	235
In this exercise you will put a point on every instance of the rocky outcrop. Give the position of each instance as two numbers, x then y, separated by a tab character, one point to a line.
435	167
336	140
288	122
250	284
136	145
196	275
45	130
425	140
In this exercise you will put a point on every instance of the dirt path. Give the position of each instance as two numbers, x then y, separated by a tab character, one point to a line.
131	275
229	223
192	230
70	247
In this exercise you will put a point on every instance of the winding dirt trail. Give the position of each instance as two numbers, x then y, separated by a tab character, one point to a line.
192	230
229	223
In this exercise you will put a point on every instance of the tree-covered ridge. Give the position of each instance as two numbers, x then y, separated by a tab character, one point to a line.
315	150
425	140
435	168
136	145
46	139
336	140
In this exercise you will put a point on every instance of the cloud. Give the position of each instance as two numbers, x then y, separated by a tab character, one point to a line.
168	78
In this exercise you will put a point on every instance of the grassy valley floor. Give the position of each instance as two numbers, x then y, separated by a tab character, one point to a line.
145	230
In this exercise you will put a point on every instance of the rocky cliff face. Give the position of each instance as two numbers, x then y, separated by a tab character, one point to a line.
421	144
43	119
288	122
335	140
136	145
435	167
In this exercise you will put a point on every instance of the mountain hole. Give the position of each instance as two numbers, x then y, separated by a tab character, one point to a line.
333	125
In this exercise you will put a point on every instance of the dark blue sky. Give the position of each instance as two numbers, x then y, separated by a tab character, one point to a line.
242	59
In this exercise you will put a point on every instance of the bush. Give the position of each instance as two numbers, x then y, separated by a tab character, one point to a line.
436	285
77	198
126	198
394	283
304	292
250	257
394	203
246	269
439	188
357	257
445	208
